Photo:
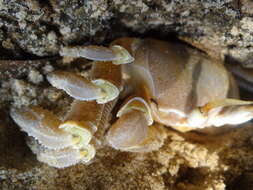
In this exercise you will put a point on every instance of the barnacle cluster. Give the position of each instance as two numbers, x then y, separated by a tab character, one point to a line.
67	142
160	83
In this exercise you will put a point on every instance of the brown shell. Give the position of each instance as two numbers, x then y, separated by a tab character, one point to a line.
107	71
176	78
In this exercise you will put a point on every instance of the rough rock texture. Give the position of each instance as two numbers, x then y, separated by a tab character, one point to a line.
34	30
220	27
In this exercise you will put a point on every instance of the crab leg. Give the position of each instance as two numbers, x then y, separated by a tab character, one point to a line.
233	115
221	112
116	54
233	112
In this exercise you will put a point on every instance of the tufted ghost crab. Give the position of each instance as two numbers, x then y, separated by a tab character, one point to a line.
160	83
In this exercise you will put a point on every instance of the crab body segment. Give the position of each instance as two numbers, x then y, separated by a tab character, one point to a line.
160	83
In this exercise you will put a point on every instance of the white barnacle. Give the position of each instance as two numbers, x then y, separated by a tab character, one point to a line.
96	53
75	85
81	88
66	157
43	126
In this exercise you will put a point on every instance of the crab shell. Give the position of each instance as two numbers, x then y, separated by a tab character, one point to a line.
176	80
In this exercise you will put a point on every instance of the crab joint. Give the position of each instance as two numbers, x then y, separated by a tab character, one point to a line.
81	88
155	139
116	54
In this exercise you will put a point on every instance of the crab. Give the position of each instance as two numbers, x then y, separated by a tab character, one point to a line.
161	85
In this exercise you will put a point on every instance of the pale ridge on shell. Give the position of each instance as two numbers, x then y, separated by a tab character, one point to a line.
30	122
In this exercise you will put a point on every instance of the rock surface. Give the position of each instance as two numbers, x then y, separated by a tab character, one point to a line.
34	30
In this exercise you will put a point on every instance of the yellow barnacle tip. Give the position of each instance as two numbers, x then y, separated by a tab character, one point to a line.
108	90
81	132
76	139
87	152
123	56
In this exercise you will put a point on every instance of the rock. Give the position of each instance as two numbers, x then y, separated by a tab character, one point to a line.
33	29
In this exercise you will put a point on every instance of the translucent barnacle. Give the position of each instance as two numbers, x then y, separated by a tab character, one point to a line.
66	157
96	53
81	88
116	53
75	85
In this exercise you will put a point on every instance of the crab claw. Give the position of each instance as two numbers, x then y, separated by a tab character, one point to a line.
116	54
43	126
131	132
128	131
81	88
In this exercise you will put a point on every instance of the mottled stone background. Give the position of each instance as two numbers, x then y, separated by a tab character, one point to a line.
39	28
34	30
